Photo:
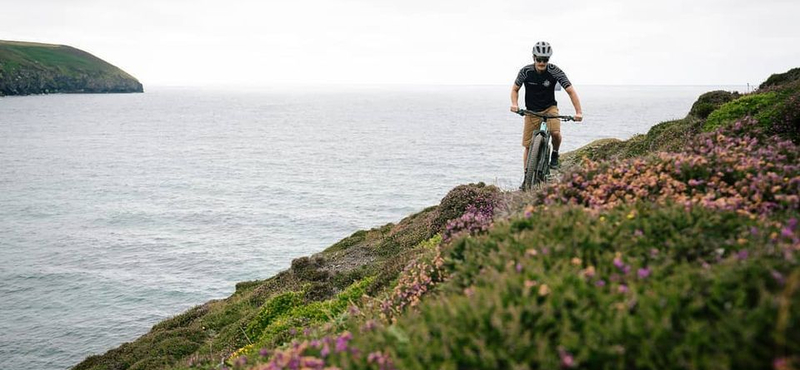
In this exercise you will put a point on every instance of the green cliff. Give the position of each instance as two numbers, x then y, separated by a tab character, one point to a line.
33	68
677	249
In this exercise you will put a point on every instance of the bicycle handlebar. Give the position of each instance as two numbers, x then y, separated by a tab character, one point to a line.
525	112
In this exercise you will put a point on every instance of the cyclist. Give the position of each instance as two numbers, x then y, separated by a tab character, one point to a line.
540	81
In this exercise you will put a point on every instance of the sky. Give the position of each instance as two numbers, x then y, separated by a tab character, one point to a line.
309	42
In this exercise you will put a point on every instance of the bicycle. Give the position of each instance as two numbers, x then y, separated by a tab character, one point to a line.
537	167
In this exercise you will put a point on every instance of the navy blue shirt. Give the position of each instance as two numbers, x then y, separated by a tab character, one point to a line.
540	87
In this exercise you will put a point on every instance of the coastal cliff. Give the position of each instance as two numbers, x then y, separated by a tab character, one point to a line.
674	249
33	68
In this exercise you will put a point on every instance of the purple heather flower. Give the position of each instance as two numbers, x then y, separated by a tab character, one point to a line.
292	331
753	230
310	362
643	273
600	283
622	289
786	232
638	232
778	277
369	325
374	357
315	343
742	254
618	263
792	223
567	361
264	352
780	364
519	267
241	361
325	350
341	341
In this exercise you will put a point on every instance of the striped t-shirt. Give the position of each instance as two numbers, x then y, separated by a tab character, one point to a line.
540	87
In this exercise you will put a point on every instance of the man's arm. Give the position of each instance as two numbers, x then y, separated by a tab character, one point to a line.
576	102
515	97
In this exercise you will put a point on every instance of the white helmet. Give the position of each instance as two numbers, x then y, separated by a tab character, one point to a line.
542	49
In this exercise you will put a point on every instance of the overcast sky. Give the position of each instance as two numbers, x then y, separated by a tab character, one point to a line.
203	42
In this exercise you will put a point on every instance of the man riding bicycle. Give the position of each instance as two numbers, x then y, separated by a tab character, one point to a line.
540	81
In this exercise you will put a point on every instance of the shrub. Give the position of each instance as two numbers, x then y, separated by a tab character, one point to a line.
710	101
728	169
309	269
749	105
456	202
779	79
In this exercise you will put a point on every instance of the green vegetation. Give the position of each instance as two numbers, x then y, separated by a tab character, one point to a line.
664	289
33	68
675	249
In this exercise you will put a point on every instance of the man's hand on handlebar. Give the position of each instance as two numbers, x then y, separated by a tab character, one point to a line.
578	117
515	108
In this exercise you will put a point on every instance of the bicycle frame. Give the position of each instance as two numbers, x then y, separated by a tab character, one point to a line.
537	168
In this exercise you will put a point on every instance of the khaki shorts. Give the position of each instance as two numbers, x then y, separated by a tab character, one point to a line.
532	123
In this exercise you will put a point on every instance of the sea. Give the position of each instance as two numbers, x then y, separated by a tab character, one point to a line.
118	211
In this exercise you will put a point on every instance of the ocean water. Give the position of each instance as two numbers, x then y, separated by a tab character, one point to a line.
118	211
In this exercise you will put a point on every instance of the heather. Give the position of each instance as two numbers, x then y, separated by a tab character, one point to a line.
672	260
736	169
672	250
637	286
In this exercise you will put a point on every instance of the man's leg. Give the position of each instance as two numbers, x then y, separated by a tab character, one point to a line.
554	125
527	134
556	140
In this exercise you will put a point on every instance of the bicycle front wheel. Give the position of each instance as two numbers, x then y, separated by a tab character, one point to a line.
532	167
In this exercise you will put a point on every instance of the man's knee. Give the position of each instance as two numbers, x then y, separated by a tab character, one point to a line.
556	134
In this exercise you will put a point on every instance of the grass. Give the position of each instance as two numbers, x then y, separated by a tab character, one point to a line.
40	68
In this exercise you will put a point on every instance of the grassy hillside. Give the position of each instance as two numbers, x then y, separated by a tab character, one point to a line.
676	249
34	68
775	107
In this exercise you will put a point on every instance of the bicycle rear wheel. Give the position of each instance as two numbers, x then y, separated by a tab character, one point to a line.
534	157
